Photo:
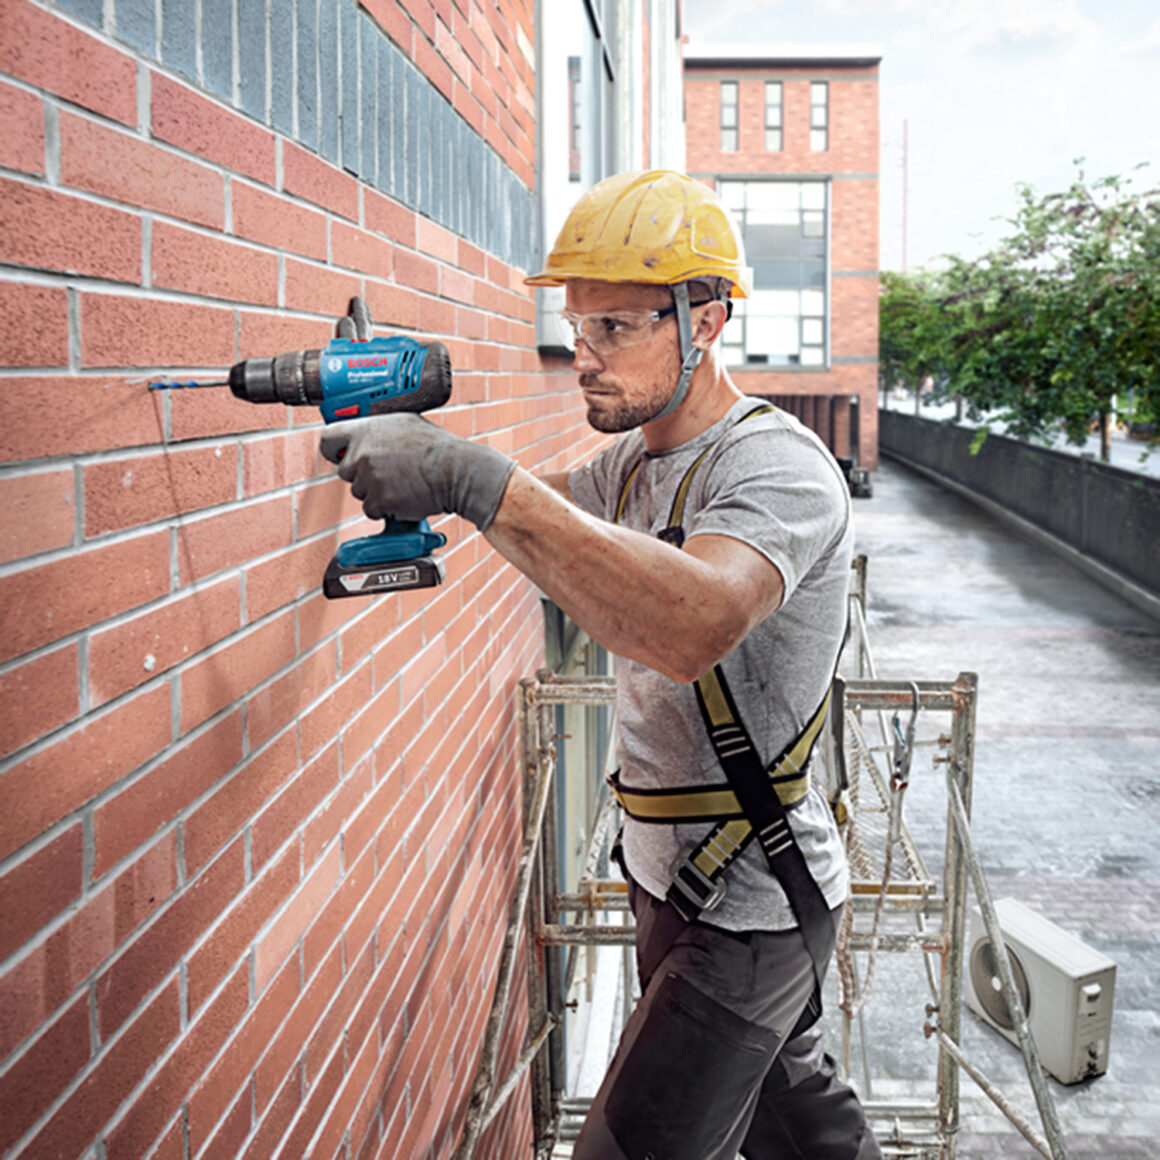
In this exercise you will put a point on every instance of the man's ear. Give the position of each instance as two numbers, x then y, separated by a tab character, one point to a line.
710	322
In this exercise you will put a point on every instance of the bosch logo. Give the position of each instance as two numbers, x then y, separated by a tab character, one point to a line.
335	364
382	360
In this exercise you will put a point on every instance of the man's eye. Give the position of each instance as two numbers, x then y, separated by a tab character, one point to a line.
613	325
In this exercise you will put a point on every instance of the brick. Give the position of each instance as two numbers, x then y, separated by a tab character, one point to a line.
323	721
297	801
392	306
234	1069
321	619
34	891
328	822
241	796
286	578
209	545
277	221
271	334
228	1140
436	316
51	972
387	217
40	513
40	48
461	287
38	697
45	602
285	931
320	506
58	780
200	125
229	942
21	130
416	272
393	21
435	241
48	230
166	1090
127	169
282	460
226	675
307	176
157	950
135	651
142	489
140	332
275	706
277	1119
119	1070
357	249
378	622
318	289
213	267
157	798
43	1072
47	416
212	414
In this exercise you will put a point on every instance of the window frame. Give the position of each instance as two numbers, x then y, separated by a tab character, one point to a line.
733	87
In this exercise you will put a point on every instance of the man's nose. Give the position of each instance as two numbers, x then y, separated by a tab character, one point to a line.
585	358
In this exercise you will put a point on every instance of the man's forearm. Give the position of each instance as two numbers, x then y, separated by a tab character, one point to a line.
636	595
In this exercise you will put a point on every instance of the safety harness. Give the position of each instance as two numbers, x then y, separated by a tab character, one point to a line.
754	802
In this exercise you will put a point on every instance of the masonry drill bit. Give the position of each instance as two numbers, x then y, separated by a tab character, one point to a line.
173	385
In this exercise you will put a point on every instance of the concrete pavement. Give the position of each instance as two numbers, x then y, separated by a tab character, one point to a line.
1067	794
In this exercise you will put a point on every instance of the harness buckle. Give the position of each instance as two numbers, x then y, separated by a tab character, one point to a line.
695	886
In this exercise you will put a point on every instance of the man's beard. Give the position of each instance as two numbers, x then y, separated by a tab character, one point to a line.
612	415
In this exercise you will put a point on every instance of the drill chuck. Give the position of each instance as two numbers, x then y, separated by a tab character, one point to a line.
291	378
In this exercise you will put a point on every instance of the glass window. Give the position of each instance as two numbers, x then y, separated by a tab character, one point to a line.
773	140
819	116
728	116
783	322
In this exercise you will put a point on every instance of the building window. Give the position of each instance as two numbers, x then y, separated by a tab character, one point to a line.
784	321
819	116
576	126
773	116
728	116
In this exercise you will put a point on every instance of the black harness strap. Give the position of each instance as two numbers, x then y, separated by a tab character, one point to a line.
698	878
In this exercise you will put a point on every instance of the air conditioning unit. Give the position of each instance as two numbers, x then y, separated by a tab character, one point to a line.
1066	988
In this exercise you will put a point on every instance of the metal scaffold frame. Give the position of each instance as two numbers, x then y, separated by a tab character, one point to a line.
894	905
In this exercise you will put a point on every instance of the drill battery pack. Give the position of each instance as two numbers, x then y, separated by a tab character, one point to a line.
423	572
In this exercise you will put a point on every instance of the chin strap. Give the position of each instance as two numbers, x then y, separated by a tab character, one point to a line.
690	354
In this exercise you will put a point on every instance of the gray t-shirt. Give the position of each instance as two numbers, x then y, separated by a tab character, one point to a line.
770	483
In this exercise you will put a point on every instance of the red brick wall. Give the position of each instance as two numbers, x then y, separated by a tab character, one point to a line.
851	162
256	847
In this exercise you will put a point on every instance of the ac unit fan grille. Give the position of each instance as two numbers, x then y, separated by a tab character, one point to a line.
985	980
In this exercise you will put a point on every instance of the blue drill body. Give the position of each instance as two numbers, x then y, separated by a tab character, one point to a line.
353	379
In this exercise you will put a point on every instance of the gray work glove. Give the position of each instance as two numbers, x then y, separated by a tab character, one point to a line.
404	466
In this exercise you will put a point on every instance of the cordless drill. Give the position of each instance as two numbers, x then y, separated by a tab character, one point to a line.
351	378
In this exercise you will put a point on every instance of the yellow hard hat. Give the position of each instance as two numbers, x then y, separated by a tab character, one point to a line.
656	226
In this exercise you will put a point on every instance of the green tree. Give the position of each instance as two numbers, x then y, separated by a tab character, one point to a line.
1057	326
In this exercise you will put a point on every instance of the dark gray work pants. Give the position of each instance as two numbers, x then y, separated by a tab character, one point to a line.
705	1068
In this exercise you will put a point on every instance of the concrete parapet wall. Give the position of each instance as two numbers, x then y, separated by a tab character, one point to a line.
1104	513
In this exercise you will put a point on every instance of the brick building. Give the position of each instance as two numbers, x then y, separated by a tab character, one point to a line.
257	847
790	140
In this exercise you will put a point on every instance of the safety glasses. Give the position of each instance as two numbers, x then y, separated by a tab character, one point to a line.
606	332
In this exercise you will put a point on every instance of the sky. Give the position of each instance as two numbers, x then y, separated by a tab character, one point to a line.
989	94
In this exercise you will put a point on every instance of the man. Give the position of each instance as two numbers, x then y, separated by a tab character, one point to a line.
711	544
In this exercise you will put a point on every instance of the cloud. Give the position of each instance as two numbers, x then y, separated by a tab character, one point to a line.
1008	28
1147	45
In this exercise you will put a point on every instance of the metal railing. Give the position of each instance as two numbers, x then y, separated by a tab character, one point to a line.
895	905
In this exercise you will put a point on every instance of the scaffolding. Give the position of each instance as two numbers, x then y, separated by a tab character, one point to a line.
895	905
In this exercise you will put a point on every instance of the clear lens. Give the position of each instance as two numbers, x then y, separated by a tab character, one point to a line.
606	333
